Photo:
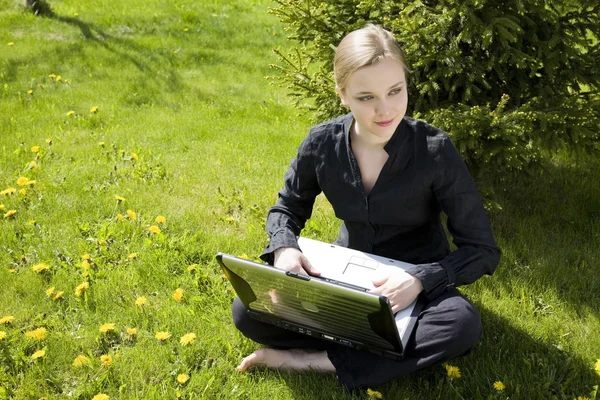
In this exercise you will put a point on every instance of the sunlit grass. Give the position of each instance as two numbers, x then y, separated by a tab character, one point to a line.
161	110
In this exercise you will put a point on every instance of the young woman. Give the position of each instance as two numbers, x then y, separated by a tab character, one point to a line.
388	177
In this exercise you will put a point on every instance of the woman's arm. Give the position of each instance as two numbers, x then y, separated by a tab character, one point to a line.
287	217
477	253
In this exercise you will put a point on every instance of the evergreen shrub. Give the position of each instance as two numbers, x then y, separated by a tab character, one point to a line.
510	81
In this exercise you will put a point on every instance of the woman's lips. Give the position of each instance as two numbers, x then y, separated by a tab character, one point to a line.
385	123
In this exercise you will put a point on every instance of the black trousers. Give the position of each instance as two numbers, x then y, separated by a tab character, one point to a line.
446	328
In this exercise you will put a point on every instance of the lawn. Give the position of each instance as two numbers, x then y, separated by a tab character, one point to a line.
139	138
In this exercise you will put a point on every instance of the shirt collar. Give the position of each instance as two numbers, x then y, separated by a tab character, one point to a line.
400	136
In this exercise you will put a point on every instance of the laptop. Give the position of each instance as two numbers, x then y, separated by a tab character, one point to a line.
337	306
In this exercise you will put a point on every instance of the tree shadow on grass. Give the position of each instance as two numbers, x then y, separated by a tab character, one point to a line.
550	229
527	367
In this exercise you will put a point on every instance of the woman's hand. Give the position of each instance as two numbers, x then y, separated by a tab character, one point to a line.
292	259
400	287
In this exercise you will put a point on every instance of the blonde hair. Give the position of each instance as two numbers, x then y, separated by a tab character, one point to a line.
363	47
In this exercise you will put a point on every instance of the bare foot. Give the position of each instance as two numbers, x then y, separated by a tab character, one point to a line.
294	359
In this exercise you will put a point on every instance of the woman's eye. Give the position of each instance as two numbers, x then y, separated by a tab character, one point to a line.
365	98
395	91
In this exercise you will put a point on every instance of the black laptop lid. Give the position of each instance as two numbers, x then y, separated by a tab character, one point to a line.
310	302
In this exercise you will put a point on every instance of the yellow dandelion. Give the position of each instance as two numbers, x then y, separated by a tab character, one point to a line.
452	371
192	267
38	334
11	43
132	331
160	219
134	156
58	78
7	319
597	366
10	213
162	336
182	378
140	301
81	289
40	267
50	291
23	192
59	295
178	295
120	217
499	386
244	256
229	219
8	191
38	354
12	270
119	198
94	109
131	214
582	398
86	256
52	76
154	229
80	360
2	207
132	256
49	141
101	396
105	328
30	91
101	144
33	164
70	113
185	29
374	394
35	149
3	335
188	338
85	264
22	181
76	14
106	360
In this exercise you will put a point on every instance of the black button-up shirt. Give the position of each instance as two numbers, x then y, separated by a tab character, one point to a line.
400	217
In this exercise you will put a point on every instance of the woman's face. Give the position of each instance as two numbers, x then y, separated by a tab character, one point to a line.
377	97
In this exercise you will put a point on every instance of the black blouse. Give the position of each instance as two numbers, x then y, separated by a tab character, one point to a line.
400	217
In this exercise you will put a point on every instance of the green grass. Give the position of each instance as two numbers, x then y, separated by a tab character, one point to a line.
180	84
